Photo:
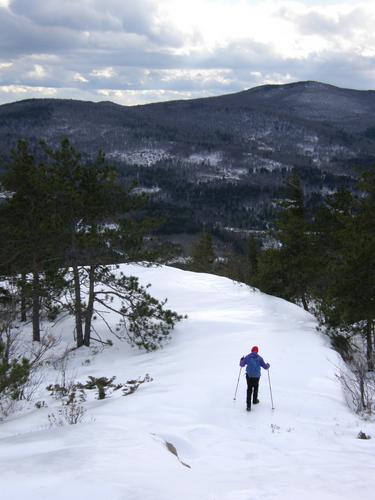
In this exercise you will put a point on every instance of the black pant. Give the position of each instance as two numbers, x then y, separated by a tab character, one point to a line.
252	385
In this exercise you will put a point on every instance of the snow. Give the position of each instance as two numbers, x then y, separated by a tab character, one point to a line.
221	173
305	448
146	190
145	157
212	159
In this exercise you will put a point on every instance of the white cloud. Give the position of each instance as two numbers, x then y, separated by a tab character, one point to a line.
294	29
223	76
132	97
77	77
276	79
25	89
5	65
103	73
38	72
47	58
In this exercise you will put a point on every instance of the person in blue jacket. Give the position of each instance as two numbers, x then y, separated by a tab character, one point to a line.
253	363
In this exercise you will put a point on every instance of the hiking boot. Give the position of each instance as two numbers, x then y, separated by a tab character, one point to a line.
256	402
248	408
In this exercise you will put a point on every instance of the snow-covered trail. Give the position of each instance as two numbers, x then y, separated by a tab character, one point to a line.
306	447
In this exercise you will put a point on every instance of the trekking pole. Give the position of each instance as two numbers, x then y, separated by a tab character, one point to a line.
269	382
238	381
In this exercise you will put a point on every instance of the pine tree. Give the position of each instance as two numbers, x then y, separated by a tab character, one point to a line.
100	226
31	234
203	255
64	223
13	374
287	269
364	287
346	292
330	233
242	263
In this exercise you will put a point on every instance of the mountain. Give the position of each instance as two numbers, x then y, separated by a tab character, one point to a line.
308	121
238	147
125	447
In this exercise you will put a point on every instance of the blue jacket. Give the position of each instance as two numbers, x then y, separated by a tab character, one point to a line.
253	362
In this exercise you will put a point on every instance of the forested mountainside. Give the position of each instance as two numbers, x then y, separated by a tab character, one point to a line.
220	160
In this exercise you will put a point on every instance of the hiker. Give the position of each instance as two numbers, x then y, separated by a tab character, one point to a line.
253	362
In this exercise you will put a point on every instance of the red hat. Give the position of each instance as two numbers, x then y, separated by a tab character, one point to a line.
255	349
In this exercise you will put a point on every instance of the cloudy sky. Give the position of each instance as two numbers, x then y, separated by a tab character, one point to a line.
138	51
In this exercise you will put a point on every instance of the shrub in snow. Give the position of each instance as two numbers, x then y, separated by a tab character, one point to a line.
275	428
13	377
132	385
106	386
14	368
40	404
71	411
342	343
359	385
363	435
21	376
58	391
103	385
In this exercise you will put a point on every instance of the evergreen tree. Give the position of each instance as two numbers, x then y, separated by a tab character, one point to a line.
347	304
242	264
30	233
101	225
81	203
13	374
287	269
330	233
203	255
364	267
65	222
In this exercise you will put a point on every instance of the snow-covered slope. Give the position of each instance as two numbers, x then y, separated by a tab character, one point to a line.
305	448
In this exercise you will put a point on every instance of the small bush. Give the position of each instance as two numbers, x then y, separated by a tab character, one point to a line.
72	410
106	385
343	345
40	404
359	386
101	384
363	435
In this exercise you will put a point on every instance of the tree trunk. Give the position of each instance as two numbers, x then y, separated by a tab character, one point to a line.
304	303
36	306
23	297
370	349
78	306
90	306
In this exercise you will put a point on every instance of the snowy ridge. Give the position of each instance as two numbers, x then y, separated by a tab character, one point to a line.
305	448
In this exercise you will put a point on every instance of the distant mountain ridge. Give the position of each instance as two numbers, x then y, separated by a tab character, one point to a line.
308	121
247	142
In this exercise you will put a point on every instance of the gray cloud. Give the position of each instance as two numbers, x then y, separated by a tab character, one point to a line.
239	54
114	15
344	70
316	23
139	17
20	36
